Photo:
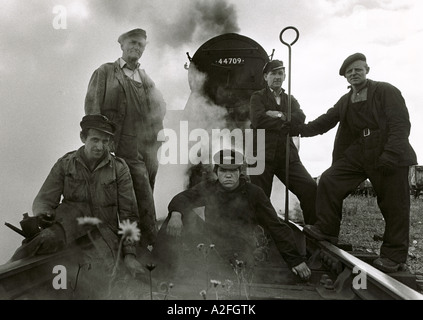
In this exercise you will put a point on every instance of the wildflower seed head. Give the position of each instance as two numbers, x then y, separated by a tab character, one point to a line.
129	231
88	221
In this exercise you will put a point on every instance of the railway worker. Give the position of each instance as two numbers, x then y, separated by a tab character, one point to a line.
268	111
371	142
92	183
233	209
123	92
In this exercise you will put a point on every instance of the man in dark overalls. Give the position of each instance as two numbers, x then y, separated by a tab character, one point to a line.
371	142
129	98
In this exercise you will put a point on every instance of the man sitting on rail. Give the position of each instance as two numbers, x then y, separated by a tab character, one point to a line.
233	210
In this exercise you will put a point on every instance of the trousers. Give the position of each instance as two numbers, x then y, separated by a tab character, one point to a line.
393	198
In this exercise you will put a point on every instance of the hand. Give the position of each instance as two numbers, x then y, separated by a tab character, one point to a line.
46	219
52	239
294	130
275	114
286	125
174	226
133	265
302	270
386	163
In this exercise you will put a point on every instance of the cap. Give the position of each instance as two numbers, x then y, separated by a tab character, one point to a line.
273	65
134	32
349	60
98	122
228	159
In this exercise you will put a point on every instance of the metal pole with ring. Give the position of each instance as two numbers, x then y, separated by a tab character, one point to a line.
297	34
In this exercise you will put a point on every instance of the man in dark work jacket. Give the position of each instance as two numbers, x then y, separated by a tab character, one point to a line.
371	142
233	209
269	112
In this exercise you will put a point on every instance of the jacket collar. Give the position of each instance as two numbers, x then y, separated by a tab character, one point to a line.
104	162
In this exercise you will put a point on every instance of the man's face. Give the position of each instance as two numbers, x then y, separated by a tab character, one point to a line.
356	73
133	47
275	78
96	143
228	178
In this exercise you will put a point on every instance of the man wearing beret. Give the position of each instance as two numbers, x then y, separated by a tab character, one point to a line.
371	142
234	208
123	92
269	111
88	182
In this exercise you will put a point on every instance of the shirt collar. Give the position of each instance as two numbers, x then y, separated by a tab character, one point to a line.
275	93
105	159
122	63
365	84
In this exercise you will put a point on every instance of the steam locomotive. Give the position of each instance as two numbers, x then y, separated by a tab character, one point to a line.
233	68
224	72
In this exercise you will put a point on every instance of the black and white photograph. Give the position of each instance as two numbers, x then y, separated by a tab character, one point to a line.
211	154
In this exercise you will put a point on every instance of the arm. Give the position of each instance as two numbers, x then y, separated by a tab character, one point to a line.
259	118
155	96
95	92
127	208
189	199
397	122
184	202
320	125
297	115
48	197
280	232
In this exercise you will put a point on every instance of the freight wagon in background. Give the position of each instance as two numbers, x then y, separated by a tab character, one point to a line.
415	177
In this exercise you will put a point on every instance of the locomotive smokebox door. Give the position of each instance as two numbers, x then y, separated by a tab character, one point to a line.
226	70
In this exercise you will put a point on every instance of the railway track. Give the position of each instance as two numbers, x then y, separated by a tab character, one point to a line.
336	275
357	278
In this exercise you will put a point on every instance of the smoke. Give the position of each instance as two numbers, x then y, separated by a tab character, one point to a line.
173	24
199	22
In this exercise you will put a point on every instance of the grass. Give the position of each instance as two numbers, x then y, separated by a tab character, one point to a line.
363	225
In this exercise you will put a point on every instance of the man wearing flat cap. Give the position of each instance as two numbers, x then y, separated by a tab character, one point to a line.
88	182
234	210
269	111
123	92
371	143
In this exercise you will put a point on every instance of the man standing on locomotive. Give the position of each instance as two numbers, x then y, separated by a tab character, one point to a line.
268	111
129	98
371	142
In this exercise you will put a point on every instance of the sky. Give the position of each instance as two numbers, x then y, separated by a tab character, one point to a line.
49	50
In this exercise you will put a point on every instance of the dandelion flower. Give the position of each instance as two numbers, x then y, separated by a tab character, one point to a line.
129	231
203	294
239	263
215	283
88	221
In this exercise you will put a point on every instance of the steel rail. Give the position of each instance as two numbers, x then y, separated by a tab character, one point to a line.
386	283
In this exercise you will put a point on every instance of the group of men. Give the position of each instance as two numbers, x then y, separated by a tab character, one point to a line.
124	113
